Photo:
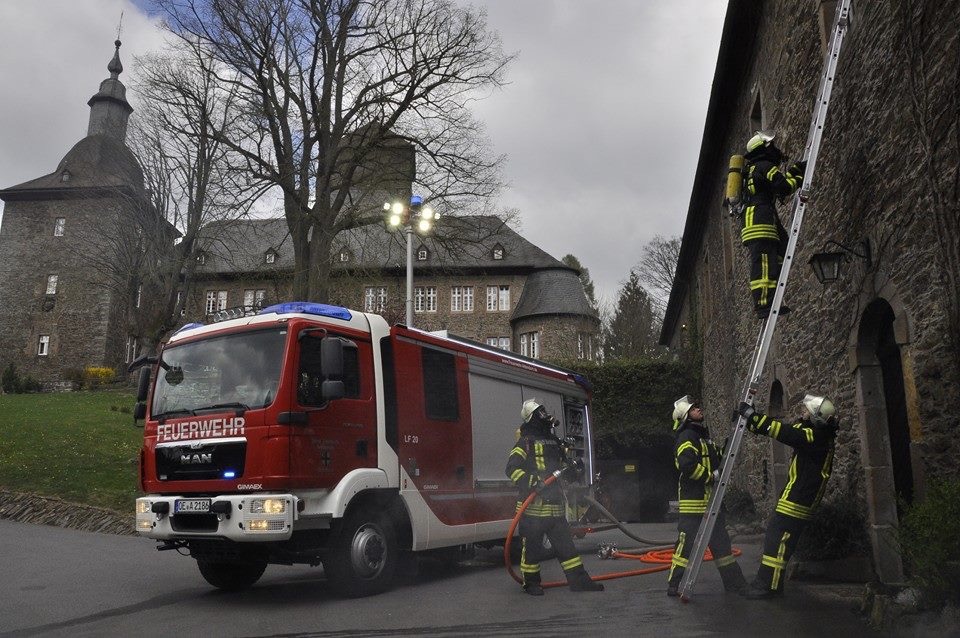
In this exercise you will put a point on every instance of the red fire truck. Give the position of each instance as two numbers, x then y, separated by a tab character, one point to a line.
313	434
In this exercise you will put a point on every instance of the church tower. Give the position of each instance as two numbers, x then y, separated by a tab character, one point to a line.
64	301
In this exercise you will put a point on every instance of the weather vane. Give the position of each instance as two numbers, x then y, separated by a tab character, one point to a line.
120	26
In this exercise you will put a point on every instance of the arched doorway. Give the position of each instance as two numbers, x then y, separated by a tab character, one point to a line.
885	432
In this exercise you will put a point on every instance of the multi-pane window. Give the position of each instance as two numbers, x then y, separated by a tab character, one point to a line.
585	346
422	254
498	298
216	300
498	252
425	299
43	346
254	298
344	256
504	297
374	298
530	344
58	225
132	348
52	284
461	299
201	258
136	303
271	257
499	342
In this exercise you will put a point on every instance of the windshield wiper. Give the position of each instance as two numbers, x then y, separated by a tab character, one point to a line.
163	416
239	407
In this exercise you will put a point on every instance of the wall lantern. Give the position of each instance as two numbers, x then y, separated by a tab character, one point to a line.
826	264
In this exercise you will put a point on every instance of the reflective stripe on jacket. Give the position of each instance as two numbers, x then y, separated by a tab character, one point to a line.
696	456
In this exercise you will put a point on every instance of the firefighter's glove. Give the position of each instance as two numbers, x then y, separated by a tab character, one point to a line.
799	168
746	411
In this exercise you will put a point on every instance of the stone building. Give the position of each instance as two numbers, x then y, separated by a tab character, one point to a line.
475	278
66	300
882	339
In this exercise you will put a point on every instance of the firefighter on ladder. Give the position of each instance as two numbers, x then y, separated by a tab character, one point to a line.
698	458
762	232
536	455
812	439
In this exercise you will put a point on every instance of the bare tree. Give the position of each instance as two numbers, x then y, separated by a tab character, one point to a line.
335	96
656	269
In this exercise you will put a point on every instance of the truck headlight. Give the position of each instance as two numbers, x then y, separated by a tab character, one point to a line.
144	525
268	506
143	506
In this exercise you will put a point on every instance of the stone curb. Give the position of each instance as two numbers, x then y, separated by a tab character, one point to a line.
45	510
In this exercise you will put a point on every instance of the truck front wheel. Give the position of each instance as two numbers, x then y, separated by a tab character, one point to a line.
232	576
364	556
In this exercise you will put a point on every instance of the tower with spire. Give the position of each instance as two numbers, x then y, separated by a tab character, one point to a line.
60	246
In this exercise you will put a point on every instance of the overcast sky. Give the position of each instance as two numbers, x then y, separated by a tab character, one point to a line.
601	121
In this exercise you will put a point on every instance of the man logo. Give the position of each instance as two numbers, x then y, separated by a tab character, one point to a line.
196	459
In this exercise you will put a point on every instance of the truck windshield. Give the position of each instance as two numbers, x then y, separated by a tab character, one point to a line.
239	371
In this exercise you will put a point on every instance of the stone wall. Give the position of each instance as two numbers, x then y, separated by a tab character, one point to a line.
44	510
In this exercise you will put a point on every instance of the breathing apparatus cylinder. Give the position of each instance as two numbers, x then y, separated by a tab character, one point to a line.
734	180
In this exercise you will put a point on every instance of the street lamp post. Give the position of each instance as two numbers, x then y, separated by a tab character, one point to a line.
407	216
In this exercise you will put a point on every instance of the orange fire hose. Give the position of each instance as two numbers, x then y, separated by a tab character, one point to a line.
661	557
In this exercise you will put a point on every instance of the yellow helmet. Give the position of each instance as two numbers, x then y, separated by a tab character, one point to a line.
529	407
760	138
821	409
681	408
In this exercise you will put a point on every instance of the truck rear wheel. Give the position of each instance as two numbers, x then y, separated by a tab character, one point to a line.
232	576
363	559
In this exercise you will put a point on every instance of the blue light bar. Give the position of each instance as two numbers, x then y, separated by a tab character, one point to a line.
309	308
229	474
188	326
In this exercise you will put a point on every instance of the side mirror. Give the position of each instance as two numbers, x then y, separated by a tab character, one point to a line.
331	357
332	390
139	411
143	385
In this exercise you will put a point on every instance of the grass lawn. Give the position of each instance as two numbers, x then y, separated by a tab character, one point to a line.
77	446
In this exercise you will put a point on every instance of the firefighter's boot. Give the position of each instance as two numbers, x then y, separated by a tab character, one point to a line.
757	591
733	580
531	584
579	580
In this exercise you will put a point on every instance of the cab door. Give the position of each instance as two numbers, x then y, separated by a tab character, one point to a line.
334	436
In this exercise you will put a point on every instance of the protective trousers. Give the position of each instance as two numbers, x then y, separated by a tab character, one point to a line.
781	538
532	530
766	259
687	526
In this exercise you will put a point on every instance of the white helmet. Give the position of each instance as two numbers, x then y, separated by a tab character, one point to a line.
682	407
529	407
820	408
760	138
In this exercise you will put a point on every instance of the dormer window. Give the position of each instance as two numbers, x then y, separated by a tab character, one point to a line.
498	252
270	257
422	254
344	256
58	226
201	258
65	176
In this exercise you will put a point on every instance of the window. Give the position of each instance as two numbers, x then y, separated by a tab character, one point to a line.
440	385
374	298
201	258
585	346
530	344
254	298
344	256
52	284
132	349
504	298
270	257
422	254
498	298
43	346
216	300
461	299
58	225
183	309
136	303
498	252
311	377
499	342
65	176
425	299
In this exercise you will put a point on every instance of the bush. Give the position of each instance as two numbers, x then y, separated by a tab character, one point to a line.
13	383
94	377
930	540
837	530
74	376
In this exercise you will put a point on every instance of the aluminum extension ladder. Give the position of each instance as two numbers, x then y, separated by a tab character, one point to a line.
752	386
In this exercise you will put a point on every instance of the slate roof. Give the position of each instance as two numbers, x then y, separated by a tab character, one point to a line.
553	291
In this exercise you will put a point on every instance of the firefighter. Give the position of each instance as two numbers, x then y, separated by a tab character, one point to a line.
812	440
697	458
762	233
536	455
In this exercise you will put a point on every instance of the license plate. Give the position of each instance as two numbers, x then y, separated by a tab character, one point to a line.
192	506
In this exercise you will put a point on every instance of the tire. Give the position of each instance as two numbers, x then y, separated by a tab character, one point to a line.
232	576
364	557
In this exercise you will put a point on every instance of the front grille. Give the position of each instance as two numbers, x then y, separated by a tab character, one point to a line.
192	462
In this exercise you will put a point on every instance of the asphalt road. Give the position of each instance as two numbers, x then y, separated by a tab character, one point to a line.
58	582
